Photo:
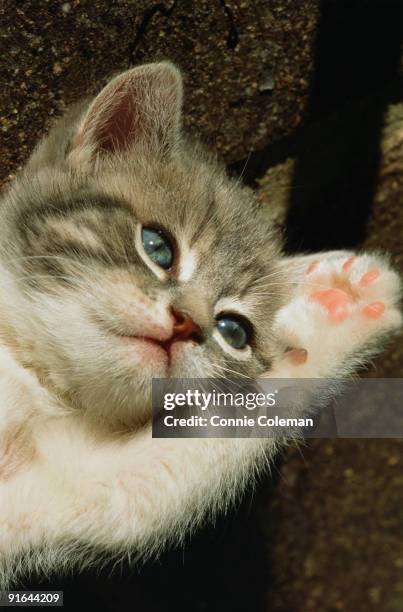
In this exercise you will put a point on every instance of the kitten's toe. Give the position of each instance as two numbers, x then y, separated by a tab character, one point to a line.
374	310
336	301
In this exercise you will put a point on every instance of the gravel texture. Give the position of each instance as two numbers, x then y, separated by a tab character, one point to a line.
246	64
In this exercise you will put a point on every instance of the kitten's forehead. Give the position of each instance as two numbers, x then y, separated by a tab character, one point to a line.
221	233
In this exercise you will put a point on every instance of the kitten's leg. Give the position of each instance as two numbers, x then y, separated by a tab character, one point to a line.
22	399
130	497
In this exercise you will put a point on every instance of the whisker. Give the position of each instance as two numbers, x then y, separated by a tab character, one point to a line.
226	369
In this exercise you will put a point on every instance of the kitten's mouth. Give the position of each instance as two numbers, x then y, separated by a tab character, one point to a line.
162	346
152	350
162	354
165	345
149	349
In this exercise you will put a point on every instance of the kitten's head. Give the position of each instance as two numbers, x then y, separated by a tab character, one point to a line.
131	255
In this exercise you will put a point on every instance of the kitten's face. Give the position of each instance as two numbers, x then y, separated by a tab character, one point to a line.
145	263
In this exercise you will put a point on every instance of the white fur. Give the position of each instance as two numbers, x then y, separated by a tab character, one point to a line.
188	262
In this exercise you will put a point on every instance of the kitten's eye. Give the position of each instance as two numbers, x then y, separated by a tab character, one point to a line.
158	247
235	330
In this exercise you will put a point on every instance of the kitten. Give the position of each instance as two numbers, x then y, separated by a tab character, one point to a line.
128	254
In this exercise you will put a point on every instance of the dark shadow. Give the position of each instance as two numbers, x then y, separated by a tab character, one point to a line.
358	54
357	74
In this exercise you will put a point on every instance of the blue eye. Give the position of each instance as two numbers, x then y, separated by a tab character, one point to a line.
158	247
235	330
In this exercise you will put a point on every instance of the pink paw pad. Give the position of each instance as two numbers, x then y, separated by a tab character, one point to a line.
312	267
369	277
297	356
335	301
347	264
374	310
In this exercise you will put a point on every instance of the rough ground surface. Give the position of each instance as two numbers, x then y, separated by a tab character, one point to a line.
247	64
330	537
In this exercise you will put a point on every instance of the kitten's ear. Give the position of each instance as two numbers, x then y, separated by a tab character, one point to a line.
140	107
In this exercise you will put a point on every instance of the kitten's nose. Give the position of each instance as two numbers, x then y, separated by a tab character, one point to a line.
185	328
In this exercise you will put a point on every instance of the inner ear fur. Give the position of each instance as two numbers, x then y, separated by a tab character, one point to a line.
138	108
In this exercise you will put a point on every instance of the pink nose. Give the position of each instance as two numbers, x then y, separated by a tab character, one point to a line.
185	328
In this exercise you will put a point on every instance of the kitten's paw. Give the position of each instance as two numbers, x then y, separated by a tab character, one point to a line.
342	305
